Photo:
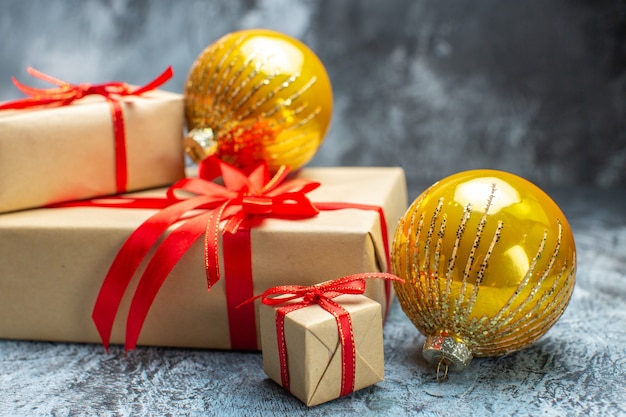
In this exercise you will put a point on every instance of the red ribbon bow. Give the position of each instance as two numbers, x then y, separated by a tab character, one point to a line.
241	198
322	295
66	93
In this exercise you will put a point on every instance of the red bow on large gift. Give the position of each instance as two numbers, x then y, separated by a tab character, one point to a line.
66	93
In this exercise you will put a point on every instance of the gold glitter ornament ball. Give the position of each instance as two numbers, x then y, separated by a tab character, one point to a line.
489	264
257	95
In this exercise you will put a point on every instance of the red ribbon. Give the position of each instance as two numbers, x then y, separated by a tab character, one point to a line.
296	297
66	93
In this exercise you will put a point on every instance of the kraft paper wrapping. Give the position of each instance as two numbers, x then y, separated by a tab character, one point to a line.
53	262
54	154
314	350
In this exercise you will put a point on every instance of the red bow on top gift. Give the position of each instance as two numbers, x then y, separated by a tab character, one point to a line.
77	141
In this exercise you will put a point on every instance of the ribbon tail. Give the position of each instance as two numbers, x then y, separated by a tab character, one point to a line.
57	94
128	259
29	102
211	244
165	258
157	82
45	77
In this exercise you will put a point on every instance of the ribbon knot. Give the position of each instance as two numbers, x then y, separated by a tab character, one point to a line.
112	90
252	204
246	196
312	297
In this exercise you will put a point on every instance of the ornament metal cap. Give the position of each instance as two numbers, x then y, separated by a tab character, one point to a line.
200	144
454	354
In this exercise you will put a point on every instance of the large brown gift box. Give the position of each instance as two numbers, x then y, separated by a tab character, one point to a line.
53	262
313	348
54	154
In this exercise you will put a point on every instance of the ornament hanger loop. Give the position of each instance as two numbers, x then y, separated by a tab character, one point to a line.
442	361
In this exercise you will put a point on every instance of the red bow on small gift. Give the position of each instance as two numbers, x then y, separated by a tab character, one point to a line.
319	293
322	295
242	197
66	93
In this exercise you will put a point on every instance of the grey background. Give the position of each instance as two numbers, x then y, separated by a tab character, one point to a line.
537	88
533	87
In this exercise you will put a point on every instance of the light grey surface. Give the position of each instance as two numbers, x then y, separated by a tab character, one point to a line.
578	368
537	88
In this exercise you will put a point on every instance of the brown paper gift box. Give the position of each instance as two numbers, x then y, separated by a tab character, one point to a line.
53	262
54	154
314	350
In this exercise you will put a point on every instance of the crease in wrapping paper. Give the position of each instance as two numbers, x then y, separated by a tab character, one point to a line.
75	246
314	350
369	358
67	153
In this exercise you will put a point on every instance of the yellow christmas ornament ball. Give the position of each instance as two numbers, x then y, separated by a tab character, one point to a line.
489	264
257	95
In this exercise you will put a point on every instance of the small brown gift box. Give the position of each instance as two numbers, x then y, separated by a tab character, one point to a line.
53	262
313	348
54	154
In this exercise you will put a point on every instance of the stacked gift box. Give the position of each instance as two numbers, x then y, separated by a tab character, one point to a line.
87	178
